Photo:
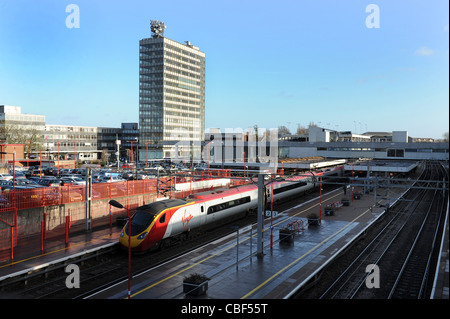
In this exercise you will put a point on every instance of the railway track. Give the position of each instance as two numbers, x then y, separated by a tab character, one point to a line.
414	280
396	258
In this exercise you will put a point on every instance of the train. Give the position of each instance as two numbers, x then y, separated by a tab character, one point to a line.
165	222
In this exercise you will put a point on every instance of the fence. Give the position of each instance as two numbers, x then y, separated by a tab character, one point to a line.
34	215
49	196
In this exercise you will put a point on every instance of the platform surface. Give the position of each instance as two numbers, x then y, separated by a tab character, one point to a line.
28	258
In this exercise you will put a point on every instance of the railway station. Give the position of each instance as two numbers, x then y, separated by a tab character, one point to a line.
236	215
297	245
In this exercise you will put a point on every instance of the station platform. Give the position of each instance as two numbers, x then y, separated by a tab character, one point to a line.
27	258
235	272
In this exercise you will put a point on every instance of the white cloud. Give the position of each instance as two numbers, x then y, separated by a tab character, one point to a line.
424	51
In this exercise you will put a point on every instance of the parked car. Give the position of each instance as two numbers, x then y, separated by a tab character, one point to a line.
51	196
35	179
75	197
49	182
5	177
111	179
72	181
27	182
37	172
201	167
4	184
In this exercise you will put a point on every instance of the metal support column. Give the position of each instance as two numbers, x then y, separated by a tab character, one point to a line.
260	242
375	192
88	198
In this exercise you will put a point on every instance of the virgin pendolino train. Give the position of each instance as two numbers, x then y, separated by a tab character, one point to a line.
164	222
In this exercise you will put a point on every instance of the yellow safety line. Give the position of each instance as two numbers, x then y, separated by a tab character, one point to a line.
179	272
304	255
213	255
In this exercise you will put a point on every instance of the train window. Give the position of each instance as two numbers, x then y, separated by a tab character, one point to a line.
202	209
230	204
289	187
162	219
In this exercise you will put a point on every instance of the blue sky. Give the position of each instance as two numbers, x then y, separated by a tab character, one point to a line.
268	63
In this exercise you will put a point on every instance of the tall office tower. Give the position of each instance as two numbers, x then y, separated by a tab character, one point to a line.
171	96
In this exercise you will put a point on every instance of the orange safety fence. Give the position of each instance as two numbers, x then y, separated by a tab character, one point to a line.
62	211
49	196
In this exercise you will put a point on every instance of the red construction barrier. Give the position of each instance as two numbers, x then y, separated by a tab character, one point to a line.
59	221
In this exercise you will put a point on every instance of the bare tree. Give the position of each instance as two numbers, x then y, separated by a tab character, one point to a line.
301	129
13	134
445	136
283	131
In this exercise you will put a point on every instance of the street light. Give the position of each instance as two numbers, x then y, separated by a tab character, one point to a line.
132	150
75	157
146	153
116	204
58	157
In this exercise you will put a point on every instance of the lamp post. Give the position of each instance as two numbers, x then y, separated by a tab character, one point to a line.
58	156
132	150
209	153
132	154
135	161
40	163
75	158
320	207
146	154
119	205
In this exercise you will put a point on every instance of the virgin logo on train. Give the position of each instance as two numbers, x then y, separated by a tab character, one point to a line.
185	219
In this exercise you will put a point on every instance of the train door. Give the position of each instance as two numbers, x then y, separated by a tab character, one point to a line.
202	214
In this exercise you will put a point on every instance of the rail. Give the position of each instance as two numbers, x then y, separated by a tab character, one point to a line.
388	251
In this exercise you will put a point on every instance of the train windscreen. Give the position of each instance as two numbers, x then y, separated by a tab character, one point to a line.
140	221
145	214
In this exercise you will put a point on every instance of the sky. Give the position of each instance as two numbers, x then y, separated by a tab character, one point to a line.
268	63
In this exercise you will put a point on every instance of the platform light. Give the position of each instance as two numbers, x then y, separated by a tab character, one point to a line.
115	203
